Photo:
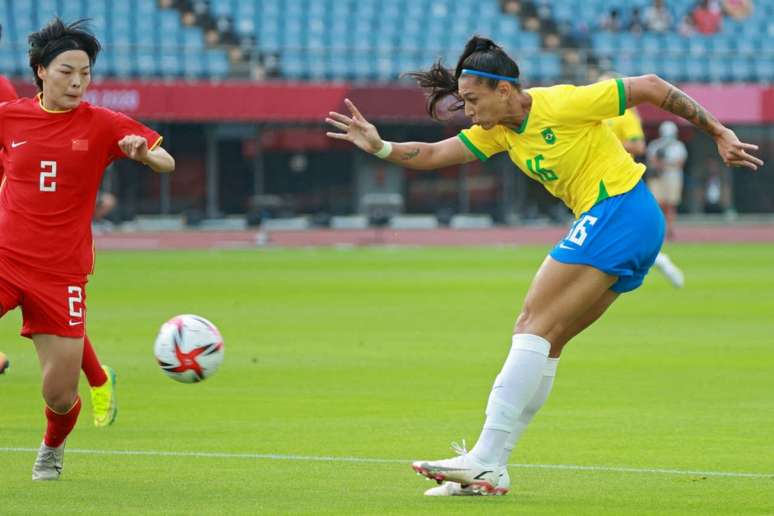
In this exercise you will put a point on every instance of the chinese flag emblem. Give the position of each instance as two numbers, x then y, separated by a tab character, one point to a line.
80	145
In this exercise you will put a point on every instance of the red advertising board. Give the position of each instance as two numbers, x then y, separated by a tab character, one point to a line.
303	102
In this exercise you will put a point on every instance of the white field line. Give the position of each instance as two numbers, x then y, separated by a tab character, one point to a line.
369	460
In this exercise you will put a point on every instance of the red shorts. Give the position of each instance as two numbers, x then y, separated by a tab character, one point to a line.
51	303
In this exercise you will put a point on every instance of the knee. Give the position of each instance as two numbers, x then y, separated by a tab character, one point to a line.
525	322
529	322
60	402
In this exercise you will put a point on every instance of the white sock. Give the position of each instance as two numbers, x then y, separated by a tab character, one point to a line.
513	389
662	260
537	401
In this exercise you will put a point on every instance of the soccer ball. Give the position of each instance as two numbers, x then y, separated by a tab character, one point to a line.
189	348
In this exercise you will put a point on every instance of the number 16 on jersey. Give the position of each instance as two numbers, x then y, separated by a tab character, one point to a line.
579	230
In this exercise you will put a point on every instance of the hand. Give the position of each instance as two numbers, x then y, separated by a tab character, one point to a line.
734	152
357	129
135	147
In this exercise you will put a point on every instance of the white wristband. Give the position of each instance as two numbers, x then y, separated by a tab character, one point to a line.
385	151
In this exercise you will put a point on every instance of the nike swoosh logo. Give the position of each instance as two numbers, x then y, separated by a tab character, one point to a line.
562	246
74	323
17	144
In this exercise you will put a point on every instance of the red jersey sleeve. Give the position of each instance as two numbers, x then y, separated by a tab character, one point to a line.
122	125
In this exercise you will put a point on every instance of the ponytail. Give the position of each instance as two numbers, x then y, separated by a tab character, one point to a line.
480	54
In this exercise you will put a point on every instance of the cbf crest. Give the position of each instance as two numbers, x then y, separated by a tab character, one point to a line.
548	135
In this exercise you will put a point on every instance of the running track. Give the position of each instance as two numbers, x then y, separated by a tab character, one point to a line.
421	237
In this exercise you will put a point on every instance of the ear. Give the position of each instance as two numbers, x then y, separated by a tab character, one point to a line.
41	72
504	88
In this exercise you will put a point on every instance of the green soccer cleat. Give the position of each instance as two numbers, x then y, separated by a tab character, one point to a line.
103	400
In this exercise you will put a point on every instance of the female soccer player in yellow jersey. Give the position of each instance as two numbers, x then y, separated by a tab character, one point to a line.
555	135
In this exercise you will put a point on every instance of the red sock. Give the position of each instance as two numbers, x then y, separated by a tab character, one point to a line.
60	425
91	366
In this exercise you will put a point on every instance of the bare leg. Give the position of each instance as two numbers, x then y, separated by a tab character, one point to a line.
60	363
559	295
584	321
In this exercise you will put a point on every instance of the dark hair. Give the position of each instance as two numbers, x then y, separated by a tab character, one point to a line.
480	54
55	38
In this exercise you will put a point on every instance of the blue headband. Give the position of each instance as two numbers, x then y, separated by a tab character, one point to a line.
488	75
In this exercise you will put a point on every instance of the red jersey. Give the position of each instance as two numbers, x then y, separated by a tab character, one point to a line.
7	92
54	165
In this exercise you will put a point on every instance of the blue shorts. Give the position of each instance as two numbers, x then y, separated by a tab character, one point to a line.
621	236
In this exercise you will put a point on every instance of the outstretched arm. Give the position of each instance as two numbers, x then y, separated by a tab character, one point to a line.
416	155
651	89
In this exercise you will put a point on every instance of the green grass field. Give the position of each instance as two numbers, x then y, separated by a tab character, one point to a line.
389	354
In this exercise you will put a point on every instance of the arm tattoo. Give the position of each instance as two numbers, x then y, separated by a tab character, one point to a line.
684	106
410	154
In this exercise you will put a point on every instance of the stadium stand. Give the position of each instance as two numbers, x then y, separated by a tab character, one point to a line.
140	39
377	40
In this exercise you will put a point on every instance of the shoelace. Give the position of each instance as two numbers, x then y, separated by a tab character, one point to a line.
461	450
48	458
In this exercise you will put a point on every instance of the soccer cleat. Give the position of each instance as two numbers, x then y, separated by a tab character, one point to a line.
103	400
462	469
457	489
48	465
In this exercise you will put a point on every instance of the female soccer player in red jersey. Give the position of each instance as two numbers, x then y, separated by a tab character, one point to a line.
557	136
57	147
101	378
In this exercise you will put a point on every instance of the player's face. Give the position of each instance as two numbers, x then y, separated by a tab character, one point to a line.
483	105
65	79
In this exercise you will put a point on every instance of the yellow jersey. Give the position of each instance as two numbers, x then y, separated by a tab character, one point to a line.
627	127
564	143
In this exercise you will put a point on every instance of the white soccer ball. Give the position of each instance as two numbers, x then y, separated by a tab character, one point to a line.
189	348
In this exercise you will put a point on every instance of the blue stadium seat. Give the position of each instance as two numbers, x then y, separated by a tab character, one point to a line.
147	63
171	62
292	64
651	43
742	69
72	10
8	64
604	44
46	9
625	64
123	63
193	63
222	8
763	68
193	38
696	69
672	68
718	70
550	67
217	63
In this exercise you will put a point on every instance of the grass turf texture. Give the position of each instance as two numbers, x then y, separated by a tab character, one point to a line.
390	353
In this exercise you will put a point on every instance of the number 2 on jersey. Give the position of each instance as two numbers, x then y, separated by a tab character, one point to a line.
47	171
75	301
